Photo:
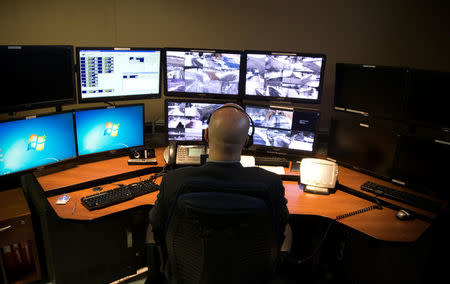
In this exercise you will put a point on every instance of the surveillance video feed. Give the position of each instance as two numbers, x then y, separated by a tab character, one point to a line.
203	72
284	76
283	128
186	120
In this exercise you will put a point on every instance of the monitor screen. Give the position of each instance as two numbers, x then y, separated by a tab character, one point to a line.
202	72
364	146
106	129
108	74
283	76
427	90
187	119
421	164
376	91
35	142
283	128
36	77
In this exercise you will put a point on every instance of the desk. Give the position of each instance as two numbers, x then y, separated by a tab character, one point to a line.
16	227
379	224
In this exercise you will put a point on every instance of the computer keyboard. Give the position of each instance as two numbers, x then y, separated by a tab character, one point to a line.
271	161
119	194
402	196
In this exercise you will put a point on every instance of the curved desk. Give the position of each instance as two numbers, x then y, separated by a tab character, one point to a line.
379	224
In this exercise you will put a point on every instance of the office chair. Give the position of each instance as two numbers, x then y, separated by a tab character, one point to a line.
221	237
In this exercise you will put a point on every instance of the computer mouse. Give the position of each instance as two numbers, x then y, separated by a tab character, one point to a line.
404	215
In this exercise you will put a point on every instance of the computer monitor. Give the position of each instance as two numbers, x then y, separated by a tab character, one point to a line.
36	141
112	128
284	131
291	77
376	91
199	73
112	74
421	164
427	91
366	146
36	76
186	119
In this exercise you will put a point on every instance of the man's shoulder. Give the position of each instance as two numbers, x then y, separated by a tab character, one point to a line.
257	171
182	171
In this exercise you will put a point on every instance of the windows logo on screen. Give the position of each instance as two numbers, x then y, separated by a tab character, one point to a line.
111	129
36	142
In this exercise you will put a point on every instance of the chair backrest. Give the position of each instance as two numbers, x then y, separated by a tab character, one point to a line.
221	235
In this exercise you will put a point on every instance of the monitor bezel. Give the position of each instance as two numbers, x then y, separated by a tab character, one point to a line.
51	103
414	118
283	99
114	152
116	98
402	96
278	151
196	95
53	163
378	124
179	100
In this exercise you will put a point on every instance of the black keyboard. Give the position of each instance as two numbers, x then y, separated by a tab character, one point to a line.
402	196
119	194
271	161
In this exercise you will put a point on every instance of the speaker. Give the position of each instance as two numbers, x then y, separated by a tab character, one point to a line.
142	153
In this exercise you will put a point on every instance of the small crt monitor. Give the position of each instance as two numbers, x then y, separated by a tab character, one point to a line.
111	74
107	129
34	142
283	129
318	175
291	77
187	119
199	73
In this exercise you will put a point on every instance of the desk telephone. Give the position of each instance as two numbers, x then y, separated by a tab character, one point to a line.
179	154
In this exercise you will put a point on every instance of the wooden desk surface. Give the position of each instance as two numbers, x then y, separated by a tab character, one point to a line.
380	224
93	171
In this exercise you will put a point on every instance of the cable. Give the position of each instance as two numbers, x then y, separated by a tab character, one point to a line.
303	260
339	217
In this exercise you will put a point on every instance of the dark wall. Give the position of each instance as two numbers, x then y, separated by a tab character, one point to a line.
383	32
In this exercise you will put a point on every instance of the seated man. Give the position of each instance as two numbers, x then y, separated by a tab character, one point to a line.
227	134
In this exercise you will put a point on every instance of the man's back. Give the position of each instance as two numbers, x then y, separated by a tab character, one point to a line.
217	172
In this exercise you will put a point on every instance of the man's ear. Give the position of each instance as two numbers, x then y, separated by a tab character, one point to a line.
206	135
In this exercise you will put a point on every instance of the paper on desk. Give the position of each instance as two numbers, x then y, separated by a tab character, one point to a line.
247	161
274	169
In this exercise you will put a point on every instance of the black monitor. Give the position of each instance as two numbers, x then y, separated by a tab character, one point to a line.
421	164
426	96
291	77
200	73
376	91
282	130
36	76
108	129
35	142
365	146
186	119
112	74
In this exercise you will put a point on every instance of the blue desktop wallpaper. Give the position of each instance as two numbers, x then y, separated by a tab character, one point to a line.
30	143
100	130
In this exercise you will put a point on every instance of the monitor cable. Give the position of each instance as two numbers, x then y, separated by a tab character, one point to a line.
337	218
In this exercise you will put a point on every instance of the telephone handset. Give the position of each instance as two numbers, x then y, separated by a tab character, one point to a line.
184	154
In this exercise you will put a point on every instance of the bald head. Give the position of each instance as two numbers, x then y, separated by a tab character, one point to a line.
227	132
